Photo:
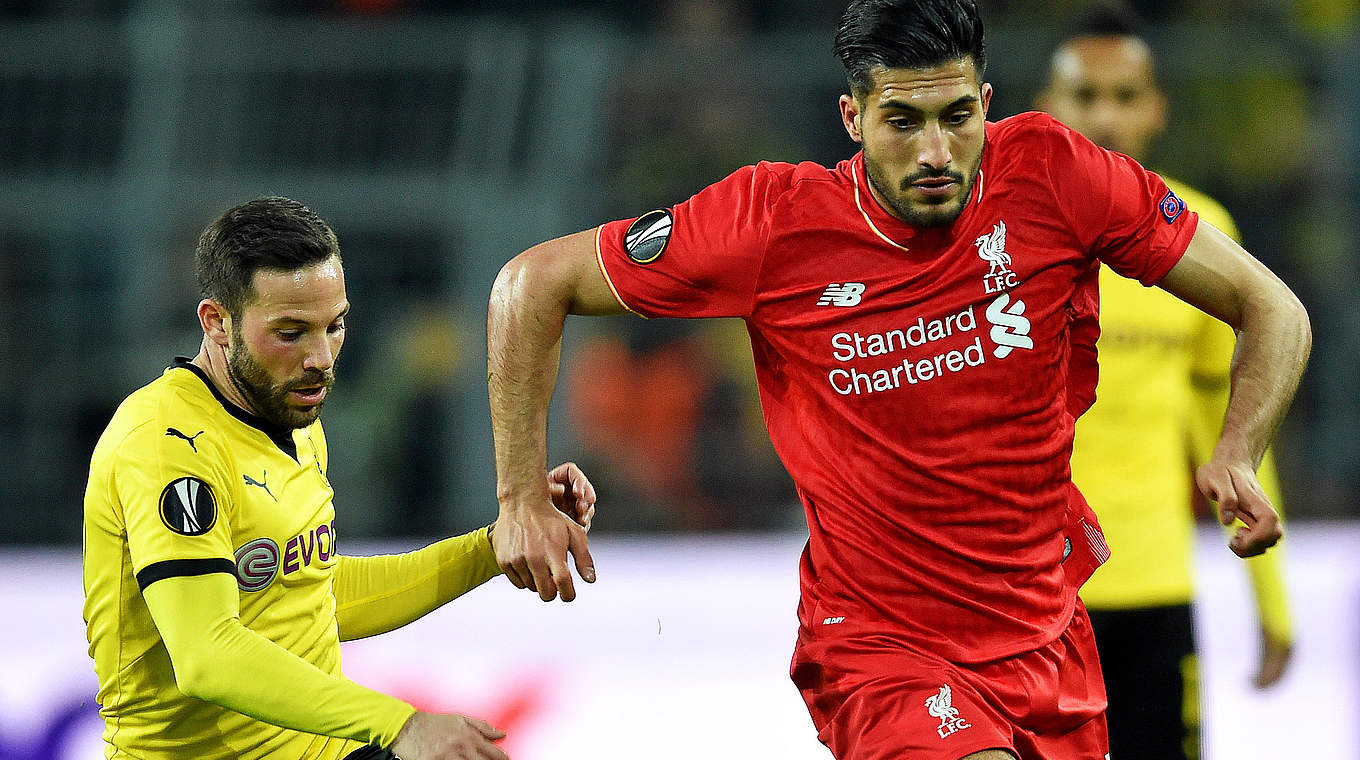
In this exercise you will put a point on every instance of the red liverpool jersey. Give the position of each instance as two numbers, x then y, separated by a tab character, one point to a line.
917	383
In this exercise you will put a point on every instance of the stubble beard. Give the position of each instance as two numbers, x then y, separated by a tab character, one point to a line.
267	398
920	215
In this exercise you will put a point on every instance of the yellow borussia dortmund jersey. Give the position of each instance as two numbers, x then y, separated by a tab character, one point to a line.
182	482
1164	376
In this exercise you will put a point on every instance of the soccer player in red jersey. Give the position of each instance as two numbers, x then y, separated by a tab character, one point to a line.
920	316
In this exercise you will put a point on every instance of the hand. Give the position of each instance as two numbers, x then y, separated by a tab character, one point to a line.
532	540
430	736
572	493
1275	656
1239	497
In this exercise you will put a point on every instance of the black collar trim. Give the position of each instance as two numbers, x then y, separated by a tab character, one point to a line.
281	436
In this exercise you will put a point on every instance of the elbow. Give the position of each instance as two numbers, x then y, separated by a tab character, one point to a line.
196	677
1301	326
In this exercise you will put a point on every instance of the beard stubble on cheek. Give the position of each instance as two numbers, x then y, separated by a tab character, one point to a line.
269	398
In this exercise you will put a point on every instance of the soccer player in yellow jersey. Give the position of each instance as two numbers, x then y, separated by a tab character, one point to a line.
1164	376
216	593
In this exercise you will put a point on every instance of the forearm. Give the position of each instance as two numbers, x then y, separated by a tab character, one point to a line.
218	660
524	341
374	595
1272	349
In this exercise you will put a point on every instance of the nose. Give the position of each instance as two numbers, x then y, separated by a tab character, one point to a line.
933	151
321	354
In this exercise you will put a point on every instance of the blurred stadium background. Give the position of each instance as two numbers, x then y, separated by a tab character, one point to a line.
441	137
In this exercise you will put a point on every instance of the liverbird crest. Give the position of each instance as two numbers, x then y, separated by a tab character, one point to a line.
992	249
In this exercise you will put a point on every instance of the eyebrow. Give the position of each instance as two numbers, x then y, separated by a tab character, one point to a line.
295	321
902	105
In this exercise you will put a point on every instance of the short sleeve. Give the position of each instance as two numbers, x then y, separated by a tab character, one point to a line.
700	258
174	498
1124	214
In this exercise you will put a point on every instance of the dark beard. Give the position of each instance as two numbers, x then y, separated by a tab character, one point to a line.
941	215
266	398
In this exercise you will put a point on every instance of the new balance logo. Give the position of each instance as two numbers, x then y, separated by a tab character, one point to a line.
1010	329
842	294
834	620
173	433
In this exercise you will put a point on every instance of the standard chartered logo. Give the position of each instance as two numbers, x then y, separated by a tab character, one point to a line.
1010	330
911	348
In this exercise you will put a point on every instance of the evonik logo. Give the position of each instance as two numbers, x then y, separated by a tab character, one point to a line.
842	294
1010	329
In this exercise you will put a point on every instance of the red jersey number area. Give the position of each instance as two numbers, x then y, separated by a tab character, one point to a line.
915	381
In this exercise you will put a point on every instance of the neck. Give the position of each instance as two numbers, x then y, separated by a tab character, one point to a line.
212	359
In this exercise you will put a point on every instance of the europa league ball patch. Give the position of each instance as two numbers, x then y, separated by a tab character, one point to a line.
646	238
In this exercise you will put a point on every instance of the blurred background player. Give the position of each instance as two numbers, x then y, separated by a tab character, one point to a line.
1164	375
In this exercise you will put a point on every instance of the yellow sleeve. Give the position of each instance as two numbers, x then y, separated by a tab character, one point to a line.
377	594
1267	570
218	660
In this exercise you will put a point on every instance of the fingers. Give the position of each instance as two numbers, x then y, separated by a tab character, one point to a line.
1261	523
580	551
543	569
517	576
1275	656
487	730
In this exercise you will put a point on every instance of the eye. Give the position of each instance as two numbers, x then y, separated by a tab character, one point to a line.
289	335
338	326
959	118
901	122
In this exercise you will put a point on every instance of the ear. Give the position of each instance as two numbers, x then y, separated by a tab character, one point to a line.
215	321
1044	100
850	117
1159	110
986	97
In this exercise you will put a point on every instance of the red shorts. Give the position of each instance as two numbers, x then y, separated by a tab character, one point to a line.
873	697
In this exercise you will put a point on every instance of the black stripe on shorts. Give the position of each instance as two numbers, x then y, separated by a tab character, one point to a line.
370	753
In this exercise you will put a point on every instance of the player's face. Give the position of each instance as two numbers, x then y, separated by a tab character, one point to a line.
1104	88
922	132
283	347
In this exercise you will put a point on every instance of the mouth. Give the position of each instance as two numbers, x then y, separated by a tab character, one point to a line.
310	395
936	187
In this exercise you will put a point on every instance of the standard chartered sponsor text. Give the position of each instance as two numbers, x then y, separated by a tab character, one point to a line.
859	380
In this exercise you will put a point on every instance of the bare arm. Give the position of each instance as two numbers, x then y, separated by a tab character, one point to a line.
1273	341
530	301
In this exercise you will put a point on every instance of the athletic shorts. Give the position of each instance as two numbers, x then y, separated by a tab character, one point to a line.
370	753
873	697
1152	677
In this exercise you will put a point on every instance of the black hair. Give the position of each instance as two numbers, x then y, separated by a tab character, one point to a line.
264	233
910	34
1107	18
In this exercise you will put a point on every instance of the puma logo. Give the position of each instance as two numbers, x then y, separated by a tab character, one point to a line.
260	483
173	433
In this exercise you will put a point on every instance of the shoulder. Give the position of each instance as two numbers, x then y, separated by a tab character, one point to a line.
1029	129
777	177
172	418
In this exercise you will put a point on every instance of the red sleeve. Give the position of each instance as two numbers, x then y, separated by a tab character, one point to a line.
700	258
1124	214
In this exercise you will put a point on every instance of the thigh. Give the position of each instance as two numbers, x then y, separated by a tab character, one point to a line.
875	700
